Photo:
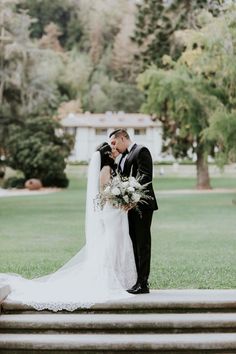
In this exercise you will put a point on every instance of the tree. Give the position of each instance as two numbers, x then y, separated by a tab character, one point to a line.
74	79
64	13
14	57
24	83
123	66
73	106
157	21
181	102
83	40
223	131
191	95
39	149
50	38
215	61
109	95
28	86
125	97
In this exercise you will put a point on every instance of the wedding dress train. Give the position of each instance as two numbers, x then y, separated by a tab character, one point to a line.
100	272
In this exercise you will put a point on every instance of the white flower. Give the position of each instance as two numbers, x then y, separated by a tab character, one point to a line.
130	189
125	184
107	189
132	179
134	183
136	197
116	180
115	191
126	198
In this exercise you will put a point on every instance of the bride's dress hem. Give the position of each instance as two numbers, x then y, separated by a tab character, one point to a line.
99	273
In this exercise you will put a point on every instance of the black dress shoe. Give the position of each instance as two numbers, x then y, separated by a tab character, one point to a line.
134	287
139	289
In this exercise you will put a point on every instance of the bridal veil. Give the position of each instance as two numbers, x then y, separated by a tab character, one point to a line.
90	276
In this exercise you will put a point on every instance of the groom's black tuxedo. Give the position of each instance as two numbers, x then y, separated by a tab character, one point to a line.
139	165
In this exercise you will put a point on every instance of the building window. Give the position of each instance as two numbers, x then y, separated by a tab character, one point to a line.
101	131
140	131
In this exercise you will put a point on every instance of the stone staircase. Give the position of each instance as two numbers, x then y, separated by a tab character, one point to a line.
164	321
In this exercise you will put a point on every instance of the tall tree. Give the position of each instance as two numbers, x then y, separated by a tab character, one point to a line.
64	13
25	85
192	95
95	38
14	43
156	22
122	59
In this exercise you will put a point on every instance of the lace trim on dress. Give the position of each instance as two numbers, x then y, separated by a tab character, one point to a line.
60	306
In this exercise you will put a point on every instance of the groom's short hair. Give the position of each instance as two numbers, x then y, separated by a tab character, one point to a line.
119	132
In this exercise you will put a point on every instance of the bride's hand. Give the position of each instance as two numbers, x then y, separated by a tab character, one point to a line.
128	207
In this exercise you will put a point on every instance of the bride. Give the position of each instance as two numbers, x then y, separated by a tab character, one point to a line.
102	270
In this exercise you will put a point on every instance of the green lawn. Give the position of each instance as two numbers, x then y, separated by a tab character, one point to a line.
193	235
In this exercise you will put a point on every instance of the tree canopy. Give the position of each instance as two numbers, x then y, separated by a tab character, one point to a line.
194	96
86	56
158	20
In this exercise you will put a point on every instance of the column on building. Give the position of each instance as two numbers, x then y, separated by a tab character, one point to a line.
82	144
156	142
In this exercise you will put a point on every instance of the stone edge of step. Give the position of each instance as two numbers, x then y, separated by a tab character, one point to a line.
9	306
113	321
159	299
121	342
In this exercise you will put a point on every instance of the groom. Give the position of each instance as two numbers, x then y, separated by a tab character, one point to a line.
136	161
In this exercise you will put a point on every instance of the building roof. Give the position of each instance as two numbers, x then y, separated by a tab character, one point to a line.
110	120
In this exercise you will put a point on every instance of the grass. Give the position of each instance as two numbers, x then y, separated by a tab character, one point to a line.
193	235
173	183
194	242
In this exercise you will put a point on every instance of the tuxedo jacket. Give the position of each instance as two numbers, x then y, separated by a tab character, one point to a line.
139	164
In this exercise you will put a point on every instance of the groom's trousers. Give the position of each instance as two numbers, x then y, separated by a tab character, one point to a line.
140	233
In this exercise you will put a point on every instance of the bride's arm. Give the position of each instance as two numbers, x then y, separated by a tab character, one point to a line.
105	176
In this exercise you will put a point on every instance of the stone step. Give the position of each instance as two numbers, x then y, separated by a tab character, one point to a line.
119	323
118	343
170	300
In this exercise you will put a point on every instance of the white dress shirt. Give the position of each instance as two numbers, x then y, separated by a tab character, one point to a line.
122	164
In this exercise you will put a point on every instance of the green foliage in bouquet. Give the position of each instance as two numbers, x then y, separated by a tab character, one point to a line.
39	149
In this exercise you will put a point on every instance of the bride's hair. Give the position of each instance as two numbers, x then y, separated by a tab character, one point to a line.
105	152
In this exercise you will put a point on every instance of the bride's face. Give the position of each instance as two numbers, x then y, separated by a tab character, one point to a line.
114	152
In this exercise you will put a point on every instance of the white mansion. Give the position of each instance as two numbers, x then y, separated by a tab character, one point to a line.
90	129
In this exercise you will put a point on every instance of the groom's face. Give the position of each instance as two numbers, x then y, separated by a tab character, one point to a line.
118	143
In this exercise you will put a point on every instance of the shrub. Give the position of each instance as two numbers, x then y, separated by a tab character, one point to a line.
14	182
39	152
59	181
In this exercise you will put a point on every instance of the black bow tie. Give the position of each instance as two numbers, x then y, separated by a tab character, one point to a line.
125	152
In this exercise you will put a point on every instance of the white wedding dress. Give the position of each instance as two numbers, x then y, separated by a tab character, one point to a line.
100	272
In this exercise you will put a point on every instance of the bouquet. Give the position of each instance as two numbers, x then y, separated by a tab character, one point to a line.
123	192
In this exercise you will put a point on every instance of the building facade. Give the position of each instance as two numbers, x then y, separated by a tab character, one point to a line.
90	129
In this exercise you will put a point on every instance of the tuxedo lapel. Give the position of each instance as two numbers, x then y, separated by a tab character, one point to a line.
128	160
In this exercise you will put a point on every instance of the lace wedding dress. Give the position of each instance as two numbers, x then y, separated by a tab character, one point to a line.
100	272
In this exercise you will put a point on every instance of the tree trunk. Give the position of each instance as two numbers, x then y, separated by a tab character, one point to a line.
203	179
